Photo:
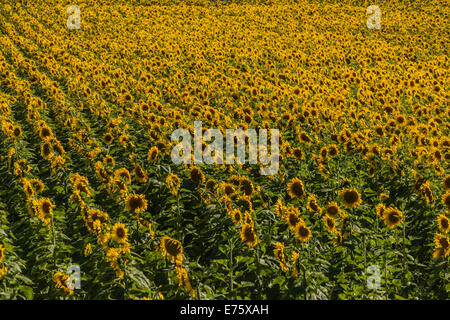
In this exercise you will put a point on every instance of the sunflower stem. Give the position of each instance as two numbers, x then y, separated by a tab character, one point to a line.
54	240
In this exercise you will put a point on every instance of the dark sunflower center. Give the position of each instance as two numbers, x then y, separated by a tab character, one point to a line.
351	197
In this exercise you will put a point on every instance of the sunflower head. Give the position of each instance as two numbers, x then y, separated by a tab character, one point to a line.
392	217
446	182
136	203
443	223
120	233
248	235
313	204
172	248
296	189
332	210
350	197
330	224
302	232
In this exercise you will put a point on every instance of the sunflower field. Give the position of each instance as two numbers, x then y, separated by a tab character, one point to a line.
358	209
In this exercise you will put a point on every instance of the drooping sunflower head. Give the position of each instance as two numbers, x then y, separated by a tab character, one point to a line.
313	204
140	174
296	189
172	248
136	203
196	175
28	189
173	182
123	175
211	185
152	154
330	224
246	186
2	253
248	235
350	197
293	217
46	150
120	233
37	185
380	208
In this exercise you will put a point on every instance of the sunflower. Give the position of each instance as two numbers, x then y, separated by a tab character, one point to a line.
2	253
279	254
140	174
333	150
109	162
45	132
338	239
248	235
211	186
313	205
120	233
122	175
136	203
228	189
44	210
296	189
330	224
293	217
442	244
280	209
298	153
236	216
152	154
46	150
350	197
246	186
61	282
17	132
28	189
392	217
302	232
446	200
87	250
196	175
380	208
172	248
173	182
108	138
37	185
443	223
332	210
446	182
